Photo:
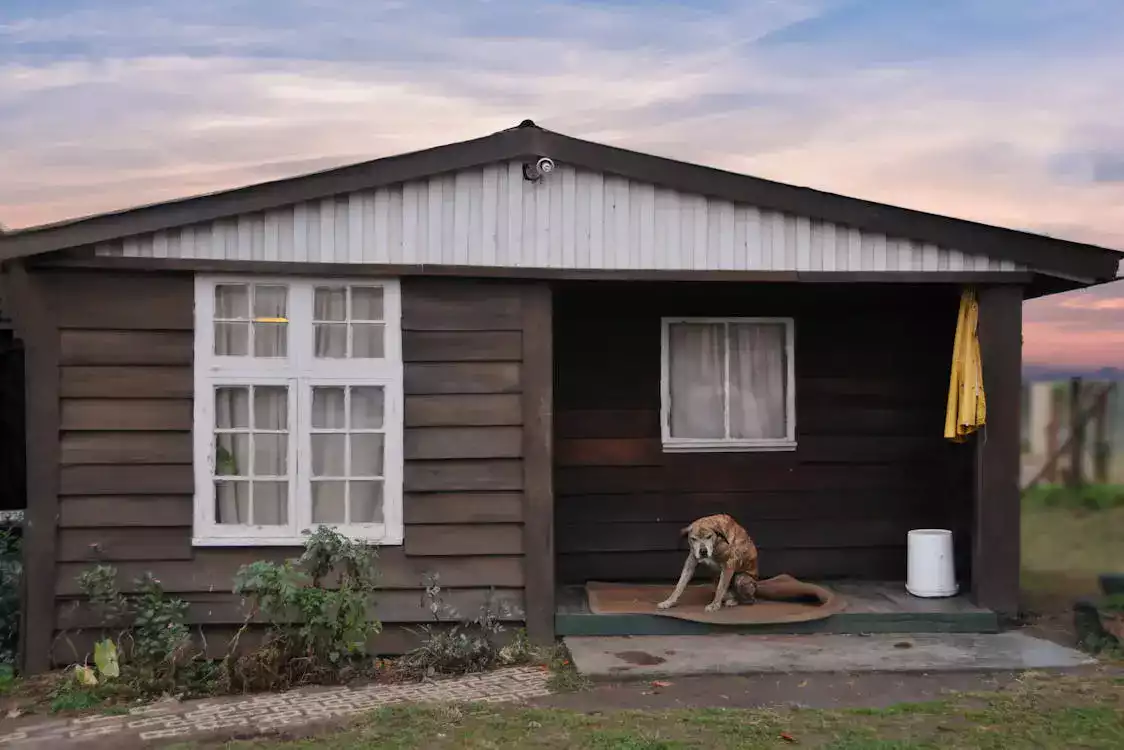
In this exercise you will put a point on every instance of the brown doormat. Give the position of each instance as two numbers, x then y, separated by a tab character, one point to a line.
779	599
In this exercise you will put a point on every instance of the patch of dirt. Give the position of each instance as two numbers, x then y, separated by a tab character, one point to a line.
867	690
641	658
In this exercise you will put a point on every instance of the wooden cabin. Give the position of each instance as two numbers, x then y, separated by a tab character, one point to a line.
522	362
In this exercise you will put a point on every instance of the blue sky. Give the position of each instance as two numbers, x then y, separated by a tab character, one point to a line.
1003	111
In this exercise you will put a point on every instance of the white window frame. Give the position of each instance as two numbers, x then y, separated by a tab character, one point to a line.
300	371
717	445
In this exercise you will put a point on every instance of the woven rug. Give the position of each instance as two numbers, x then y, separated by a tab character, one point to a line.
780	599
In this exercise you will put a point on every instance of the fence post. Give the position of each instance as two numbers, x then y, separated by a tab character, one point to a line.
1076	476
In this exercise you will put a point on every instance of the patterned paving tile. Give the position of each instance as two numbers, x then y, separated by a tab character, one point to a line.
175	720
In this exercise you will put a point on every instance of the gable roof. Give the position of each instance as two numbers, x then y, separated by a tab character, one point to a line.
1075	262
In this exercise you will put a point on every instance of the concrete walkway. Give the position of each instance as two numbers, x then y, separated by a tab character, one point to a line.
644	657
195	720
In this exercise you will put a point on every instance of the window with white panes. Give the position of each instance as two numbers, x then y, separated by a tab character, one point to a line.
728	384
298	407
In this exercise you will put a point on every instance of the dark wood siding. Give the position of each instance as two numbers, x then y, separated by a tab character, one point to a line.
872	367
125	448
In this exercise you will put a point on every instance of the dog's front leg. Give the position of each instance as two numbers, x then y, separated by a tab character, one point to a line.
684	579
720	590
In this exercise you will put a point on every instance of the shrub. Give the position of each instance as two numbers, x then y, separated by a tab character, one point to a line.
10	572
316	632
151	640
465	646
1090	497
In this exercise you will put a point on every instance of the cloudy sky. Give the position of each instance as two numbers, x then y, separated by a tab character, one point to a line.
1002	111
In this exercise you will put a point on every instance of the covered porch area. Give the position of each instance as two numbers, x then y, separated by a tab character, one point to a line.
866	462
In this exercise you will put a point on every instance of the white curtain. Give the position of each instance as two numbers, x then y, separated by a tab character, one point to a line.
698	365
348	454
754	387
758	379
330	313
252	456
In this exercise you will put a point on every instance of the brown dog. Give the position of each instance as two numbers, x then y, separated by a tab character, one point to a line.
720	543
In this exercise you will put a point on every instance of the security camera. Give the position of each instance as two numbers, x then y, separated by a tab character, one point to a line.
534	172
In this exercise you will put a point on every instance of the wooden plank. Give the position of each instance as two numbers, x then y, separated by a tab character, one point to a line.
460	305
538	460
768	535
127	414
463	411
854	449
125	448
83	347
462	377
77	646
750	507
606	423
390	606
111	300
463	507
463	442
143	479
111	544
820	564
831	417
450	476
462	346
761	472
995	557
456	539
126	382
125	511
213	569
609	452
30	305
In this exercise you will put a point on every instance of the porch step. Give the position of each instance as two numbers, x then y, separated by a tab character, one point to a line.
648	657
873	607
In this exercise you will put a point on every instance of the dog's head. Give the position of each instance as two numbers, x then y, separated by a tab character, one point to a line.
704	535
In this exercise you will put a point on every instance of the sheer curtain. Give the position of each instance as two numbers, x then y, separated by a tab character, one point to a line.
751	386
698	365
252	455
758	380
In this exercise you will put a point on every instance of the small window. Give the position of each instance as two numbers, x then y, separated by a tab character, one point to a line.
728	384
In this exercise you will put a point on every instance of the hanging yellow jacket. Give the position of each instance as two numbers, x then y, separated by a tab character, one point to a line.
967	406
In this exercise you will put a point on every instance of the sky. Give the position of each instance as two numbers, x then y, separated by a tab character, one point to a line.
1002	111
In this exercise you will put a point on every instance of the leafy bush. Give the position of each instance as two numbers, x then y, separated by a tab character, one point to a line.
151	641
316	632
10	571
466	645
1090	497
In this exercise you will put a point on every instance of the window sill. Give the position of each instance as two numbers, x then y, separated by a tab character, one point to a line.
279	541
728	446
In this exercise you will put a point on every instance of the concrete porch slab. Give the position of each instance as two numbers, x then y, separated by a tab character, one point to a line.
645	657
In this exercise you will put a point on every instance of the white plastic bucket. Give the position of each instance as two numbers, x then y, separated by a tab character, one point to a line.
930	567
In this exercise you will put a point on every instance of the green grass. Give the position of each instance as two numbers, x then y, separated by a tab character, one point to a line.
1066	545
1088	497
1040	711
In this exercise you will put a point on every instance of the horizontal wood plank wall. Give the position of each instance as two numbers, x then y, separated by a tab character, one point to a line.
872	367
125	451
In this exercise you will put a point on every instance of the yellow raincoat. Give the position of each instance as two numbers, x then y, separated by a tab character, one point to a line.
967	407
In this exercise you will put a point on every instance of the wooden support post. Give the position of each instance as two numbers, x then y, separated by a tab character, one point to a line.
1051	473
995	542
37	326
1100	437
1076	477
538	462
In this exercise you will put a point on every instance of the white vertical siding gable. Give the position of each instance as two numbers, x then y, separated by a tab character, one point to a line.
571	219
